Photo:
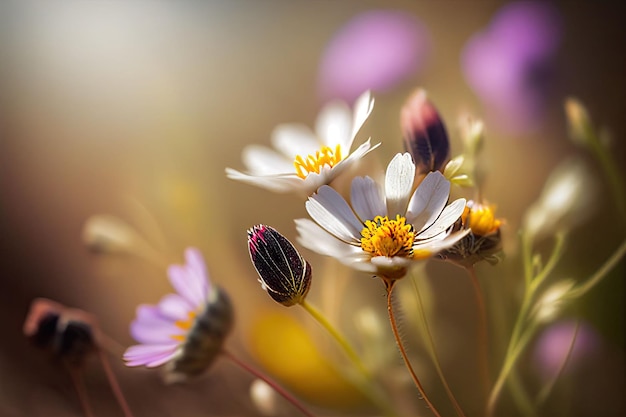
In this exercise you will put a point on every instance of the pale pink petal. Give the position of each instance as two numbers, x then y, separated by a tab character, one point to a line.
143	354
185	284
175	307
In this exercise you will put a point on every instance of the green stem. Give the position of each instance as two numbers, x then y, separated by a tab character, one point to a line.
389	284
611	171
345	345
600	273
367	381
433	353
532	284
506	369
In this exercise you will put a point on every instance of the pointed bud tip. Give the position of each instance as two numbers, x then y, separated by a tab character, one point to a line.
424	134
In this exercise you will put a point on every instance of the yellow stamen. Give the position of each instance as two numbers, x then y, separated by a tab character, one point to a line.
482	220
314	163
384	237
184	325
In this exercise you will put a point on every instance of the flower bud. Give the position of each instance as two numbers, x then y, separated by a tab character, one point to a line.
579	123
283	272
552	301
69	334
424	133
108	234
564	202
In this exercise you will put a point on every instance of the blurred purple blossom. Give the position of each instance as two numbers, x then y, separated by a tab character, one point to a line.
508	64
552	346
375	50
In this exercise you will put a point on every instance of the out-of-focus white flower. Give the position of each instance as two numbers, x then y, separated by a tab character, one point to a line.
385	230
564	202
303	160
264	398
552	301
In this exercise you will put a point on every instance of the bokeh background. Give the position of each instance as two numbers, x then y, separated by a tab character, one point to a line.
134	109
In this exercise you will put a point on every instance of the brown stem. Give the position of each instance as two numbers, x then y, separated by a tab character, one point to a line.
293	400
389	284
80	390
115	386
482	330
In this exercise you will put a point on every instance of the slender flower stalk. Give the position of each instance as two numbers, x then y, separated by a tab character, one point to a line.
367	380
79	386
433	353
115	386
547	389
280	390
601	273
515	347
389	285
339	338
483	334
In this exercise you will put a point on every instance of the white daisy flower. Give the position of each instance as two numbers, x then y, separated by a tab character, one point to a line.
384	230
303	160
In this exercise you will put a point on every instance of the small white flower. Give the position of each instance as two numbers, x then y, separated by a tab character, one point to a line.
566	200
303	160
384	230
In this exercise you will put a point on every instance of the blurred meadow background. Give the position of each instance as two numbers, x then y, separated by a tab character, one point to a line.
134	110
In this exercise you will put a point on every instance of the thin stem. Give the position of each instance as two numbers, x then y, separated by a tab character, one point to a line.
115	386
366	383
555	257
533	282
433	352
389	284
482	330
345	345
611	171
283	392
79	386
600	273
545	392
506	369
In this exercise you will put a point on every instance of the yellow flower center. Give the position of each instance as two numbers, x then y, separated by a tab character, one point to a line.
314	163
482	220
184	325
384	237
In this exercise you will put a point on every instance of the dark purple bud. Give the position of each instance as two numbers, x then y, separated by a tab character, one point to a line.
67	333
424	134
283	273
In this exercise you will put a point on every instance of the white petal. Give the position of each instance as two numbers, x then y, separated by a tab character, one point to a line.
294	139
362	108
367	198
315	238
261	160
331	212
428	201
333	125
398	183
437	245
449	215
279	183
352	159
